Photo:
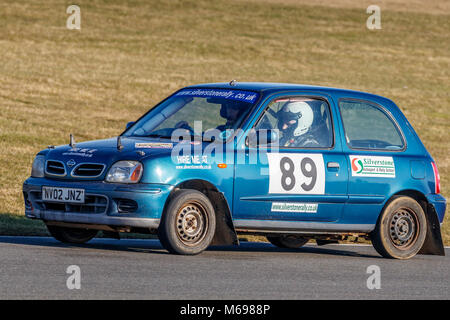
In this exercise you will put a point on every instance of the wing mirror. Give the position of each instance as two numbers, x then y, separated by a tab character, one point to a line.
129	124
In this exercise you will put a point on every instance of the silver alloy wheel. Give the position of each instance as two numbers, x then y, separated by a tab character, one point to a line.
403	228
191	224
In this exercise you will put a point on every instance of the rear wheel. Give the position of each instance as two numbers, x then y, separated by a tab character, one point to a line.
71	235
289	242
188	223
401	229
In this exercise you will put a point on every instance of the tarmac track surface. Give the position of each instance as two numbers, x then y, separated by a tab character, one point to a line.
36	268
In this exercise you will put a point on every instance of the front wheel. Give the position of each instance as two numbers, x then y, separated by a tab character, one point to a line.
289	242
401	229
71	235
188	223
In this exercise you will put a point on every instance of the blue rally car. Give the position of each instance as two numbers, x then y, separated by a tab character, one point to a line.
289	162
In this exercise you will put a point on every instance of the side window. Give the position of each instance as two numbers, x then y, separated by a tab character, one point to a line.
367	126
301	122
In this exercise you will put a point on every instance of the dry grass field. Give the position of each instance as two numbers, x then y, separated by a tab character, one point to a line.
130	54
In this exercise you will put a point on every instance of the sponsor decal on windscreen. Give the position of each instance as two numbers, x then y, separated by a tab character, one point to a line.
238	95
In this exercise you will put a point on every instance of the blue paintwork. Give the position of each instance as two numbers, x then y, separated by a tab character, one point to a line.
347	200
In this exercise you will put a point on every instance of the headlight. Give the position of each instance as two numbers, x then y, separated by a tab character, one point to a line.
37	169
125	172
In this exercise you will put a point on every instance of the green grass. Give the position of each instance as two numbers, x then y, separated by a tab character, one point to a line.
14	225
128	55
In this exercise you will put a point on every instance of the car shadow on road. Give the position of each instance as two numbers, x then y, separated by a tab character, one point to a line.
138	245
154	246
333	250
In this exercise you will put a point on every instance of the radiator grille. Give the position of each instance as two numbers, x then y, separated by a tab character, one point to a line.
54	167
89	170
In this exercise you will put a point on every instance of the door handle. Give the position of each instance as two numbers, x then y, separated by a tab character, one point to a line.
333	165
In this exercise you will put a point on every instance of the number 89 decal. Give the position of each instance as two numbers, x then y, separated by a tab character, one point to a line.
296	173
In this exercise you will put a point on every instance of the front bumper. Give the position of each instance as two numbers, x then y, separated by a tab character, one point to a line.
103	205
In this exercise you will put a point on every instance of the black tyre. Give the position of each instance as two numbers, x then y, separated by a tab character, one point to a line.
188	223
289	242
401	229
71	235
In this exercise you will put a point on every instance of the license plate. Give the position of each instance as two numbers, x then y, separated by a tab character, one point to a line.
69	195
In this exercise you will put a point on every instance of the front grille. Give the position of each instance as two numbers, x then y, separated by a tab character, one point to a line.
88	170
92	204
54	167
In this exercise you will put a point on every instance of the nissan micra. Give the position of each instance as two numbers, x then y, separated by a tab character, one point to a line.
289	162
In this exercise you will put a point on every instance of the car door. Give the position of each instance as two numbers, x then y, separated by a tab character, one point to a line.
289	180
374	147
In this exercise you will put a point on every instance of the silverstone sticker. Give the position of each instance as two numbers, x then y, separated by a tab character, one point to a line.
155	145
294	173
368	166
239	95
294	207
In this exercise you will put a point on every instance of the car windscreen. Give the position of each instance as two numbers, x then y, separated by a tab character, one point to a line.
196	111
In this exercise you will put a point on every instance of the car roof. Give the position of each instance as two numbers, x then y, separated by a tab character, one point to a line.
269	88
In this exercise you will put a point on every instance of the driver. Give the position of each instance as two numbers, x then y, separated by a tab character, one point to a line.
231	111
294	122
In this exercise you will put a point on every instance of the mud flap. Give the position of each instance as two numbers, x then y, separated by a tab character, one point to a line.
433	244
225	233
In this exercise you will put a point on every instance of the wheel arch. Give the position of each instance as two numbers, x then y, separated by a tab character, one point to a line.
225	233
433	244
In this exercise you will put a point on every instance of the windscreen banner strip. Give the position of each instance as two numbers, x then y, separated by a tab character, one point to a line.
238	95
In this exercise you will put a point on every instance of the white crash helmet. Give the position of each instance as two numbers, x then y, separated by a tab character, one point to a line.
306	119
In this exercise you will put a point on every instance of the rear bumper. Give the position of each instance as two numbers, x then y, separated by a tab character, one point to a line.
439	203
150	200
